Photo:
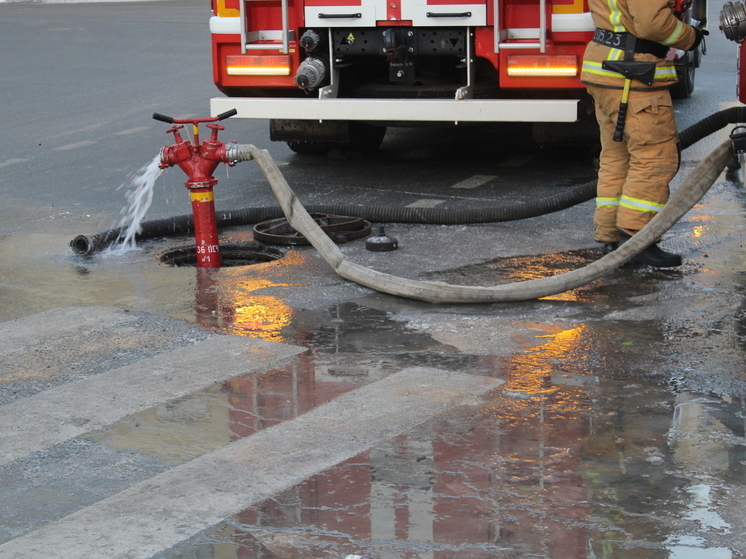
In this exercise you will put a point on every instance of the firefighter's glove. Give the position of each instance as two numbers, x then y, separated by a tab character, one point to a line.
699	36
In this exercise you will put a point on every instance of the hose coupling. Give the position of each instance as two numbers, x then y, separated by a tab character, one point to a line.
311	73
235	152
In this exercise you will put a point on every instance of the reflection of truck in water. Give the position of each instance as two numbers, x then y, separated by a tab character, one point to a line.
327	72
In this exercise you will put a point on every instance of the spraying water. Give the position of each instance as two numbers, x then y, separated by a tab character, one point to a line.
139	196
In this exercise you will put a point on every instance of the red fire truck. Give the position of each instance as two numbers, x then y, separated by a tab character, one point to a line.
327	72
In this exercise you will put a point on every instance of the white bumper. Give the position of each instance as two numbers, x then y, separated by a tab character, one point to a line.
401	110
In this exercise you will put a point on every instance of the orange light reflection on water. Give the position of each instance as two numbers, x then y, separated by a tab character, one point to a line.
525	268
532	370
699	231
227	299
541	422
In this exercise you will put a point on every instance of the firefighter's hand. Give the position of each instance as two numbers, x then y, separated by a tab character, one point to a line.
699	36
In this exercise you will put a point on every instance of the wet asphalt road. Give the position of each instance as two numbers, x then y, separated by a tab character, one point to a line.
618	430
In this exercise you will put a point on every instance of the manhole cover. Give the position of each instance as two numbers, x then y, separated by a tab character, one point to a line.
245	254
339	228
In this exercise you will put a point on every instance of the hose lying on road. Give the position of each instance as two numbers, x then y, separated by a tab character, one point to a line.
688	194
179	225
183	224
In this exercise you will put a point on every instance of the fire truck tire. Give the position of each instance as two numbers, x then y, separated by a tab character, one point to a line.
685	67
364	138
310	147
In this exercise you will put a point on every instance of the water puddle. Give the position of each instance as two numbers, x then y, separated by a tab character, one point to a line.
180	430
183	429
521	477
576	456
536	266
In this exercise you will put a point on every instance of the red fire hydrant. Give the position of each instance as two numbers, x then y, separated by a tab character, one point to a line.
199	161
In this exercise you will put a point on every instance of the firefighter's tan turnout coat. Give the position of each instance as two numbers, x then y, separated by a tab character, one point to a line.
634	173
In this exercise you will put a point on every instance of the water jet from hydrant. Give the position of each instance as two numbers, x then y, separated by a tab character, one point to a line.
140	197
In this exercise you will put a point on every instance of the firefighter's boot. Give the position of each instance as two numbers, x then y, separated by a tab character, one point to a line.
654	255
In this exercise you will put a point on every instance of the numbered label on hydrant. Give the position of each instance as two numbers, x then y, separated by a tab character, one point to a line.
207	249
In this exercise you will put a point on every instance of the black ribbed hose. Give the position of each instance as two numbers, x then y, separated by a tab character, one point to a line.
183	224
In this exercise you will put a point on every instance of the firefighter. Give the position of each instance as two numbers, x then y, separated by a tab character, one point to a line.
626	71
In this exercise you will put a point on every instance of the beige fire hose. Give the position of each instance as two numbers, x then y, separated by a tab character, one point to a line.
687	195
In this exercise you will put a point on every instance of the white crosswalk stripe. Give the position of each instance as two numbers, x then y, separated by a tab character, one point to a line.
67	411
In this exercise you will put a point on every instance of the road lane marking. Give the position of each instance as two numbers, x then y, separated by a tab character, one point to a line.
474	182
171	507
133	131
12	162
76	145
425	203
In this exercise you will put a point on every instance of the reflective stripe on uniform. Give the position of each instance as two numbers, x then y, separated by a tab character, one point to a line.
661	72
675	35
606	202
615	16
641	205
615	54
665	72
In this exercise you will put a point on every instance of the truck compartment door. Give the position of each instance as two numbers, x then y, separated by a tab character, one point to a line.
437	13
422	13
344	13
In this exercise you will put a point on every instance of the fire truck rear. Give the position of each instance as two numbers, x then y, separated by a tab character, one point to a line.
329	72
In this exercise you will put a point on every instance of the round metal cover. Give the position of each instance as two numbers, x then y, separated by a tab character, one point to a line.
339	228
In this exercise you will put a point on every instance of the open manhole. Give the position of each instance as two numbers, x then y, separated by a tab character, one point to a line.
244	254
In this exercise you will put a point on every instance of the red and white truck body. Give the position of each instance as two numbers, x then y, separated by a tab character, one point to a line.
313	65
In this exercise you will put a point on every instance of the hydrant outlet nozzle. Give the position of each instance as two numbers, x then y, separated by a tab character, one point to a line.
237	152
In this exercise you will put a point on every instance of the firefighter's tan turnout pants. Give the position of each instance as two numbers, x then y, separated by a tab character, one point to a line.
634	173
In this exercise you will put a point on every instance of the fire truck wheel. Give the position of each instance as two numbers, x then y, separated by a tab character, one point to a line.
366	138
310	147
685	69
